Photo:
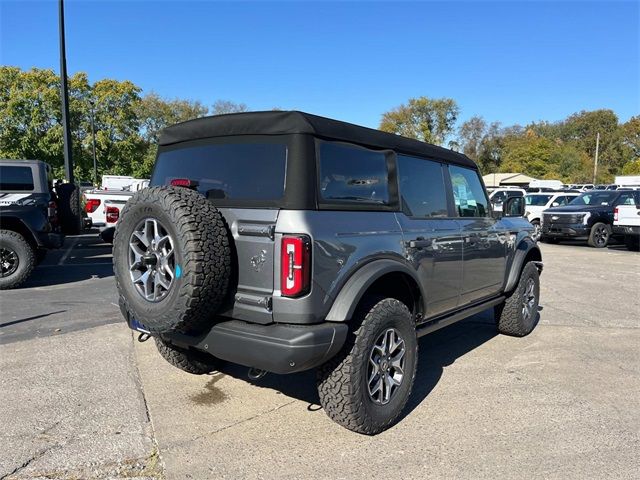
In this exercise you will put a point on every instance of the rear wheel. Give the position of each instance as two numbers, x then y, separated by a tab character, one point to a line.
600	235
366	386
190	361
17	259
518	314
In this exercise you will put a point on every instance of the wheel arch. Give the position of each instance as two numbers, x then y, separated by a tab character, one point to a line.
15	224
386	277
526	251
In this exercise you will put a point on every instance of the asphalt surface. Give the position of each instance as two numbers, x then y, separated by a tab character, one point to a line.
81	399
72	289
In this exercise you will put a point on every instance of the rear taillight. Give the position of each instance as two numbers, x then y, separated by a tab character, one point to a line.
295	265
113	213
91	205
52	212
615	214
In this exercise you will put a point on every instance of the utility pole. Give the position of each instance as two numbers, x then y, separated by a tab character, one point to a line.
93	142
595	163
64	93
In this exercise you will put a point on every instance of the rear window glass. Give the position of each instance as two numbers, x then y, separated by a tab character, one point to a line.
240	171
349	173
16	178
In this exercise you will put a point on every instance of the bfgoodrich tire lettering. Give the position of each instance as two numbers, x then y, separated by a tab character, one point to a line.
202	256
343	382
517	316
18	259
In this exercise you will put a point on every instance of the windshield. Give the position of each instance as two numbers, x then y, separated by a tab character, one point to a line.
596	197
537	200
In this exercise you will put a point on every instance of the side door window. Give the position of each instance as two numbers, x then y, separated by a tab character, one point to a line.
468	194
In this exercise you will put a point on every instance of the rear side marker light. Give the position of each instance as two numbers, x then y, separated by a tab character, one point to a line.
295	264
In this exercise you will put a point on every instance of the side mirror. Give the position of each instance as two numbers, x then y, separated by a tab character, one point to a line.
513	207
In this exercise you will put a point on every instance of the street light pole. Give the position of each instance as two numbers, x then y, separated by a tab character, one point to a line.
595	163
64	93
93	142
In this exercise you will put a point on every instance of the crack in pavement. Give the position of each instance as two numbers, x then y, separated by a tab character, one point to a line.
27	462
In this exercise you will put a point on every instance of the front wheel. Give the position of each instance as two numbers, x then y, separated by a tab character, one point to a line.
367	385
518	314
537	230
600	235
17	259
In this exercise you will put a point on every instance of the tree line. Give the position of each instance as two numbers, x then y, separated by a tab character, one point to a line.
127	124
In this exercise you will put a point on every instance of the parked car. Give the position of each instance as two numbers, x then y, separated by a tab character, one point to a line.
626	221
500	195
28	219
536	203
368	241
588	216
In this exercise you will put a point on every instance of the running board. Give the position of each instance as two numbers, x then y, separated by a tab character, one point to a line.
438	323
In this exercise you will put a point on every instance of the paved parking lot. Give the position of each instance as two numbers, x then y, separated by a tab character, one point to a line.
82	399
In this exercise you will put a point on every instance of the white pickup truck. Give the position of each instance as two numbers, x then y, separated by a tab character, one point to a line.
626	221
95	200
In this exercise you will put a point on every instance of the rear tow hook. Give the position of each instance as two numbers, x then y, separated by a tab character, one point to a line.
143	337
256	373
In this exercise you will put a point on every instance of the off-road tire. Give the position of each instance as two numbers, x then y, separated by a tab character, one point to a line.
509	315
190	361
342	382
632	242
202	250
595	235
69	211
26	258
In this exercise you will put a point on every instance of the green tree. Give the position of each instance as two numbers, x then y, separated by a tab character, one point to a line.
226	106
631	168
426	119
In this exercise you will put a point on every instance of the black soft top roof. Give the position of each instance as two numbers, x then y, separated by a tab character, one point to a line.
293	122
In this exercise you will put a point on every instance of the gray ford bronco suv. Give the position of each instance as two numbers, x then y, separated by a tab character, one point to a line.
285	241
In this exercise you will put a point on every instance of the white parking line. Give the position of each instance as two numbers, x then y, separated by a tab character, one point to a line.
68	252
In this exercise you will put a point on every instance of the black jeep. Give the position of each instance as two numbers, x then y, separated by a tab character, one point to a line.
28	219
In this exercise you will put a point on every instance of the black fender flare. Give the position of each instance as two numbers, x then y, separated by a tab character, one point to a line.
355	287
523	249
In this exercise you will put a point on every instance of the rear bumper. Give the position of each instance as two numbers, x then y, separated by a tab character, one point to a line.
626	230
278	348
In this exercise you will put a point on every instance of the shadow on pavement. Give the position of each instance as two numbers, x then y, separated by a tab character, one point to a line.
48	275
35	317
436	351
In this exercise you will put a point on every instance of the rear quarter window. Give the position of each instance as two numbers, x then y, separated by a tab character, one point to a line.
229	172
349	174
16	178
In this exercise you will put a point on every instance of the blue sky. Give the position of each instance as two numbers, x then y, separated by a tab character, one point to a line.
513	62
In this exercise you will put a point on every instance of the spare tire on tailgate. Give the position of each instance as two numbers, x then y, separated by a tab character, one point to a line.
171	259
